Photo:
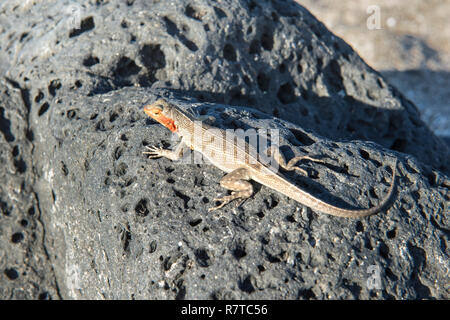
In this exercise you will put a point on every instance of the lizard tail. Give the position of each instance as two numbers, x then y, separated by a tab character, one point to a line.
316	204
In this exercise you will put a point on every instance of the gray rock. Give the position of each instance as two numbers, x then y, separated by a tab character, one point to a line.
139	228
25	269
118	225
273	56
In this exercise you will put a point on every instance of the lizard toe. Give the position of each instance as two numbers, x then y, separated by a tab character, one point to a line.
153	148
216	207
154	152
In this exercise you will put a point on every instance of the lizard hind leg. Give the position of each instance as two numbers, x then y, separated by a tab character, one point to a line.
237	181
291	164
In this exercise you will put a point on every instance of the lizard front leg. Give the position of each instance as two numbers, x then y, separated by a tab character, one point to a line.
237	181
157	152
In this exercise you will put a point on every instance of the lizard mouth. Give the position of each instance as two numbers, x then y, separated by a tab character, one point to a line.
156	114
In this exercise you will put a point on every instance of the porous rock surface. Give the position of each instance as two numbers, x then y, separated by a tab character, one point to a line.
108	223
25	271
139	228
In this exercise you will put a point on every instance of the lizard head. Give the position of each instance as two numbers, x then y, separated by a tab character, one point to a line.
162	112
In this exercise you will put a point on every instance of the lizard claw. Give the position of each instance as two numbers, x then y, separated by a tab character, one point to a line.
216	207
155	152
222	203
224	200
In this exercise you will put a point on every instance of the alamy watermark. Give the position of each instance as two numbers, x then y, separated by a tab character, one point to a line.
74	12
249	146
374	20
374	280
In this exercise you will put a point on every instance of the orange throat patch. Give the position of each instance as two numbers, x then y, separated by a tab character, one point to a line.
167	122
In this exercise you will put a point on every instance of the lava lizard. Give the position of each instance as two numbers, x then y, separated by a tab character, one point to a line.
211	142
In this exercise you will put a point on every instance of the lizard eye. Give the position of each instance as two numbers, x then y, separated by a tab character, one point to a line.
157	110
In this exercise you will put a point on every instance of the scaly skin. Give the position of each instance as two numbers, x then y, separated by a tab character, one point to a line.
214	144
